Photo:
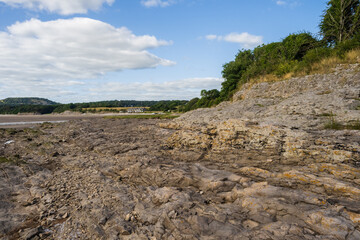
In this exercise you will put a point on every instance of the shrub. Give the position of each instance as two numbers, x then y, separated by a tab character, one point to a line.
342	48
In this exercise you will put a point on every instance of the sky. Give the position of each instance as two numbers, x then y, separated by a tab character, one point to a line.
94	50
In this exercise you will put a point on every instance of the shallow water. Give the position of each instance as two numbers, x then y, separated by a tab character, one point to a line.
34	122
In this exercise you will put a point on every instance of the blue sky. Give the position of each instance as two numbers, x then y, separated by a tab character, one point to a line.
92	50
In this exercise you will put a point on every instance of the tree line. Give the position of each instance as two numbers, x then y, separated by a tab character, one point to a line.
81	107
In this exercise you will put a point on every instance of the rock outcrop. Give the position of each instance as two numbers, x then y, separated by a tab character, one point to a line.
302	175
260	167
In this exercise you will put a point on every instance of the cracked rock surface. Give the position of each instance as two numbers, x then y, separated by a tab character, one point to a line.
261	167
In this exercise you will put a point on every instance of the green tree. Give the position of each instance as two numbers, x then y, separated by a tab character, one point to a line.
233	72
341	20
190	105
211	94
297	45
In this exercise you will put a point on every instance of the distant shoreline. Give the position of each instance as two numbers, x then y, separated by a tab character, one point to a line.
30	120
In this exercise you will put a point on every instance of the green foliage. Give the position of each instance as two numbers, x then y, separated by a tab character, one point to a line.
297	45
59	108
40	109
233	71
343	47
167	105
191	105
341	21
285	67
316	55
208	98
276	58
268	57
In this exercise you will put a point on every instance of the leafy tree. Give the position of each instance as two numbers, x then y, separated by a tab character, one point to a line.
341	20
208	98
168	105
297	45
190	105
233	72
211	94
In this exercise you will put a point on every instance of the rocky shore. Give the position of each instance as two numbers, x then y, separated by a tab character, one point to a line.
263	166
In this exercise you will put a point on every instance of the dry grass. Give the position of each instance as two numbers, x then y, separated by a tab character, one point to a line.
353	56
328	64
268	78
325	66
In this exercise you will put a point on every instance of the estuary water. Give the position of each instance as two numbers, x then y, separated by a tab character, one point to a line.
25	123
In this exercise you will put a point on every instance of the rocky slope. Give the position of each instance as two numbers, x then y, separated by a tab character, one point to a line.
301	175
260	167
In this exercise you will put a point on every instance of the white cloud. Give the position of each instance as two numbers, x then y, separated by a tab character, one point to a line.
211	37
59	52
287	3
157	3
180	89
47	89
245	39
64	7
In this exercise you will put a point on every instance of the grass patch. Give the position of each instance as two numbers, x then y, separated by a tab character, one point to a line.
5	160
16	159
158	116
334	125
327	115
354	126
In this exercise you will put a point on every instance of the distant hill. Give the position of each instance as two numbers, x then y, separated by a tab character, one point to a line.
26	101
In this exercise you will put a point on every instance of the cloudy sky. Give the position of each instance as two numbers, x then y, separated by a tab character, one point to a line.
91	50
